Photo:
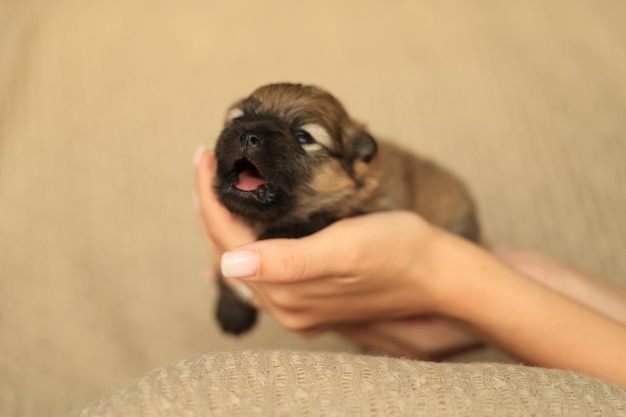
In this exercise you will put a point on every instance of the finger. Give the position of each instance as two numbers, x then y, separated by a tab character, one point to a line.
203	180
340	250
205	170
310	334
424	337
365	336
434	336
291	260
220	225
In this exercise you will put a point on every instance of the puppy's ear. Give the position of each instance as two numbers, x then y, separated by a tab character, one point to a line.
233	113
363	146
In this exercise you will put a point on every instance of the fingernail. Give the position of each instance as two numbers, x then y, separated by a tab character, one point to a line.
197	155
240	264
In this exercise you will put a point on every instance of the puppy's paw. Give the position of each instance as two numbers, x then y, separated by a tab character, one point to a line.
235	316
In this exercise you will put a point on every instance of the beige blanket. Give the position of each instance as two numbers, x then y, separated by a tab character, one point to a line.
103	271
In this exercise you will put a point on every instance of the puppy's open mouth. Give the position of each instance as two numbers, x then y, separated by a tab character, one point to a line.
249	178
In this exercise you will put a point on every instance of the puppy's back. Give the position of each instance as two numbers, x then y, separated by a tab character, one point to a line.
409	182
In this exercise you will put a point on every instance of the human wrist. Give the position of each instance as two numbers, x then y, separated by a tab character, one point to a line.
433	271
461	274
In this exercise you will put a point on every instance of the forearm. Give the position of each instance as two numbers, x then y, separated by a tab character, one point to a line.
527	319
597	293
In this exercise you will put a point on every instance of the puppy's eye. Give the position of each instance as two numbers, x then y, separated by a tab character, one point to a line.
304	137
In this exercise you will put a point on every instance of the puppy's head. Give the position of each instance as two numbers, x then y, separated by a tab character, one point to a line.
289	151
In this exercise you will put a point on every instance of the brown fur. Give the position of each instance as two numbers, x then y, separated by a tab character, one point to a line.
309	184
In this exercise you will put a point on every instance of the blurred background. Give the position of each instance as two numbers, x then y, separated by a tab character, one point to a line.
103	270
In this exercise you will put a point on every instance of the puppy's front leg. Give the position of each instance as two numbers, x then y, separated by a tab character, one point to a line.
233	314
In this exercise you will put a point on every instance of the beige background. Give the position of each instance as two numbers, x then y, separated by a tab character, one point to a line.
102	265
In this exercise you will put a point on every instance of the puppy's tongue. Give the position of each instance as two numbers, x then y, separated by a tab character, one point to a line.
250	179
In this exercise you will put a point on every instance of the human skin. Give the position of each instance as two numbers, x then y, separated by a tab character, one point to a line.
395	273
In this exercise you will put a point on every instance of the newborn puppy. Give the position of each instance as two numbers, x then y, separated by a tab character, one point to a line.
290	161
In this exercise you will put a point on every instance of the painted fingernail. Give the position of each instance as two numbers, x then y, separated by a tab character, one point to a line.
240	264
197	155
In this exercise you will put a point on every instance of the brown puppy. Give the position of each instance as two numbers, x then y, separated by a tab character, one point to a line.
291	161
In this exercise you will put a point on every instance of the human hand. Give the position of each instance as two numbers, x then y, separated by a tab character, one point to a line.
366	268
423	337
301	278
414	337
222	229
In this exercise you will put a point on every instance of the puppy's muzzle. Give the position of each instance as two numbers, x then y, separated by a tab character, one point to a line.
251	140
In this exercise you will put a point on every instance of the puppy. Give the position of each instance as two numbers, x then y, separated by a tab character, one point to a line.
290	161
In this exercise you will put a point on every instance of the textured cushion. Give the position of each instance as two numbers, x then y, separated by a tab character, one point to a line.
282	383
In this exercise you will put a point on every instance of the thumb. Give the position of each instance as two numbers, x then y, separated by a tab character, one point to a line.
283	261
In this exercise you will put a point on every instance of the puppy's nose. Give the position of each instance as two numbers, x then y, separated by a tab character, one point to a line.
251	139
